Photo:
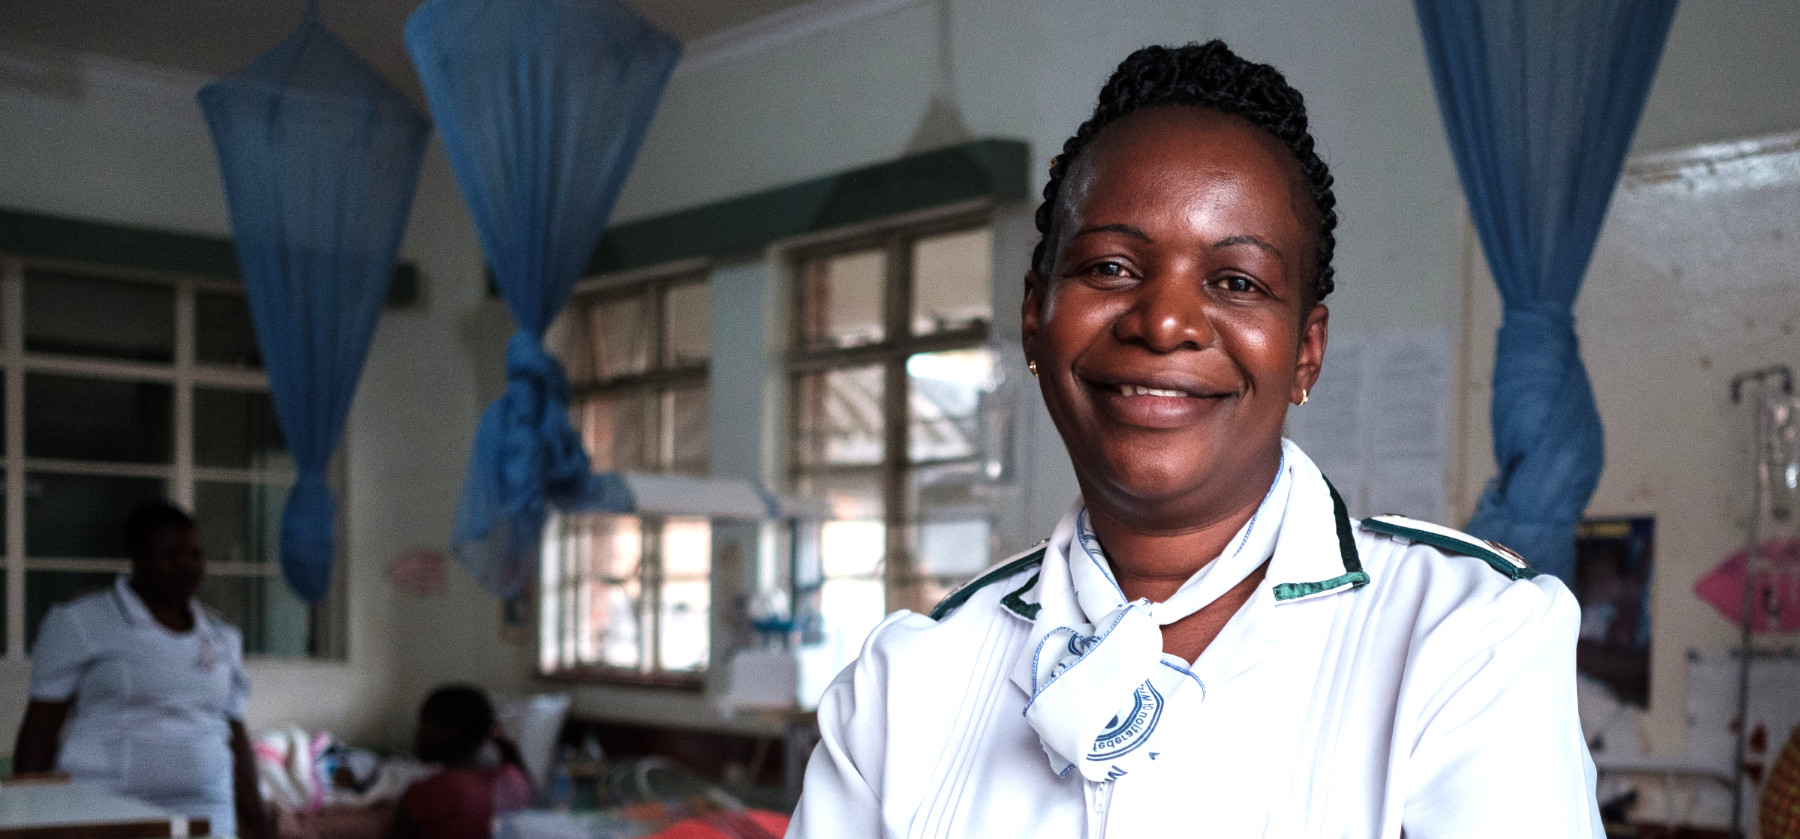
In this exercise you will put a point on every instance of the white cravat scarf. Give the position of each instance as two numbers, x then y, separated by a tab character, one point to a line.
1098	673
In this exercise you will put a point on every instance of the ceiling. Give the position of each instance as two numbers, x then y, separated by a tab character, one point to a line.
216	37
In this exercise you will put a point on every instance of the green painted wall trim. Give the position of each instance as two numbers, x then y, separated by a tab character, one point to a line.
56	237
995	169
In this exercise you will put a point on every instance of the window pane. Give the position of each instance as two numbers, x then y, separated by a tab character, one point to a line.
955	547
685	613
274	621
614	430
223	330
82	515
238	429
44	589
239	522
616	338
685	429
850	494
944	392
103	318
952	278
687	324
603	552
611	620
840	417
98	419
687	548
855	541
853	548
849	609
609	547
842	304
950	535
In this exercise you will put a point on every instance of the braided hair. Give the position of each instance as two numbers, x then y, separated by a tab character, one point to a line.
1208	76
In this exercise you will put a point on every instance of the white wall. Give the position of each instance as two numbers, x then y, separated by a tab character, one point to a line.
1729	70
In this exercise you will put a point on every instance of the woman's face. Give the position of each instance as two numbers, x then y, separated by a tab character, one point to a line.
169	565
1169	337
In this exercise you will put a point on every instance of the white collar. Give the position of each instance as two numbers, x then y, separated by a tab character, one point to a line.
138	615
1315	554
1097	677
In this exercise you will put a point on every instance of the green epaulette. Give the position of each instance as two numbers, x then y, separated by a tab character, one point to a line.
1497	556
1029	559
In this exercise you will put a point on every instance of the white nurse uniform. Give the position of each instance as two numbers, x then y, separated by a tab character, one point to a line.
151	705
1389	677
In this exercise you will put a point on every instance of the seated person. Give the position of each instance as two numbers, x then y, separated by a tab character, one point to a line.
155	682
460	802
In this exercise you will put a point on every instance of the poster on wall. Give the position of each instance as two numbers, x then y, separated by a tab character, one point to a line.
1612	583
1377	422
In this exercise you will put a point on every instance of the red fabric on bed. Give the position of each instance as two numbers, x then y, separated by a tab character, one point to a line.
730	826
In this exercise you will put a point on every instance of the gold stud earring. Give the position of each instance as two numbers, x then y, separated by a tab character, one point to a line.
1032	366
1304	395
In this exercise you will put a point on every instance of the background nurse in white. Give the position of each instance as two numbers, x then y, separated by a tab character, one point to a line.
139	689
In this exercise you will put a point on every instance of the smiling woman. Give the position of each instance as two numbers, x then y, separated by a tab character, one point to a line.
1207	642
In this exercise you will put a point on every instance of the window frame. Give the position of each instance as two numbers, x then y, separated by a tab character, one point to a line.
184	373
661	376
904	586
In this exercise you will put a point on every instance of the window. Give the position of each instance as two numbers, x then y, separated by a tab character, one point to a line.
628	597
890	364
122	386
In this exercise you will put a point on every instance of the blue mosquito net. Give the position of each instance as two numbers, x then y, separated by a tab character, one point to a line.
542	105
320	158
1540	99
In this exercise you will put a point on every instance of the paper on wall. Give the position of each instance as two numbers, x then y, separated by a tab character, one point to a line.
1377	423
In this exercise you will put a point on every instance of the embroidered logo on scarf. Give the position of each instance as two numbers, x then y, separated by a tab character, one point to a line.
1098	677
1132	729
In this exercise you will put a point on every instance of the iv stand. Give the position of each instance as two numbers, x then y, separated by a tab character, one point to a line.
1748	616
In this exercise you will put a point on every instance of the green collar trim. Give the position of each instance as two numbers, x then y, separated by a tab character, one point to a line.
1353	575
960	596
1017	604
1299	591
1489	552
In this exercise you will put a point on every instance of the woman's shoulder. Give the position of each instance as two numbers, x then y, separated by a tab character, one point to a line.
1448	542
958	627
1445	570
1020	566
88	611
